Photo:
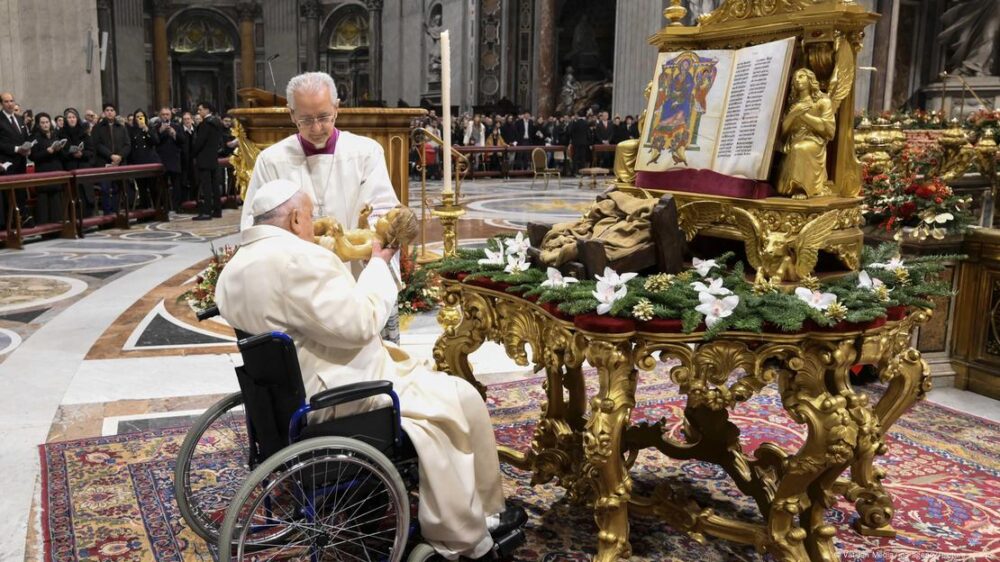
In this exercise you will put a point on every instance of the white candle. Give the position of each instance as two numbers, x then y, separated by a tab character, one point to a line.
446	107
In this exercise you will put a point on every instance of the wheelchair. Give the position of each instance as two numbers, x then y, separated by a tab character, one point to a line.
255	478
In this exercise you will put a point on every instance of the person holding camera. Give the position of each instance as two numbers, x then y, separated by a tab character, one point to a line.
171	150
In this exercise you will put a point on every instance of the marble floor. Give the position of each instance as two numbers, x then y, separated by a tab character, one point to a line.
94	339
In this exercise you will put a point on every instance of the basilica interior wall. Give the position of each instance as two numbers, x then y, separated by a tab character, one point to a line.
42	41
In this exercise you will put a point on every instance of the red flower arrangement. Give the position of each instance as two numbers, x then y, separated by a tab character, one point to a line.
202	296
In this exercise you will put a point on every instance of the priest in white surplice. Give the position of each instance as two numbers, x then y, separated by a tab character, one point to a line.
342	172
281	280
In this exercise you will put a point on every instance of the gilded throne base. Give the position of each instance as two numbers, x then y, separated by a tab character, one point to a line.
591	455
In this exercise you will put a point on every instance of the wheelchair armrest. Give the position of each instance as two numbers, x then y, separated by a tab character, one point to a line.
209	312
349	393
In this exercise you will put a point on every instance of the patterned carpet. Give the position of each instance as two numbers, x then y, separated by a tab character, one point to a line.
111	498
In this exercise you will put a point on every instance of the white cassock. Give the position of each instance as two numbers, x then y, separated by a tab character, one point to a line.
340	184
277	281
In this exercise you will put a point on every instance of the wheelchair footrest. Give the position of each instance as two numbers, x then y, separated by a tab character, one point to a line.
505	546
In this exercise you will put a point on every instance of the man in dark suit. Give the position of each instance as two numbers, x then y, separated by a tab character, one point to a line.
603	131
205	150
524	135
12	157
170	150
580	139
187	158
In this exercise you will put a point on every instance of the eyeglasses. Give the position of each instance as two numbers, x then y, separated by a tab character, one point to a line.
307	122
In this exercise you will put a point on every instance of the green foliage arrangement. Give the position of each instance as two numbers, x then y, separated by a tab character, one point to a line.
885	282
202	296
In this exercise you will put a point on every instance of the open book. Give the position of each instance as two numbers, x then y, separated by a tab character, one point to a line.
716	110
59	144
27	145
74	148
5	165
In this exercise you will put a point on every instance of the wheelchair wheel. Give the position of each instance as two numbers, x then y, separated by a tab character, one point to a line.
424	552
212	464
327	498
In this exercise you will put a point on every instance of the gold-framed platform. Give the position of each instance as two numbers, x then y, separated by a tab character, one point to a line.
590	453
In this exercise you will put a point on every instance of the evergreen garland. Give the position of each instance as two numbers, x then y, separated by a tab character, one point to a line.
913	284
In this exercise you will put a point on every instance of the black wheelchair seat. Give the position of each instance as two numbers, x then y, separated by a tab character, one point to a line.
276	408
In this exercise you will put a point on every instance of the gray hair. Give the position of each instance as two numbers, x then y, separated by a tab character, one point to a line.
311	82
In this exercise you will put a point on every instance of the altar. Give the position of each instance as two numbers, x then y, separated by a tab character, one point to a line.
265	120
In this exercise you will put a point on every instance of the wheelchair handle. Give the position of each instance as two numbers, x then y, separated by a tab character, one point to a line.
209	312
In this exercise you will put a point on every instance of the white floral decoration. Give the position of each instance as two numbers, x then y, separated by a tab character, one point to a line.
516	264
606	295
518	245
494	258
713	288
714	308
556	279
815	299
612	278
704	267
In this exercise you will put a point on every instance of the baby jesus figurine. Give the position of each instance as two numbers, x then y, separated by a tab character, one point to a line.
394	230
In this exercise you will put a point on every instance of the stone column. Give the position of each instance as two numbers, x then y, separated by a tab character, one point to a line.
547	69
161	66
247	12
375	47
312	10
105	23
635	58
883	57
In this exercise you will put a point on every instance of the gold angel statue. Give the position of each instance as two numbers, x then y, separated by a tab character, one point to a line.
394	230
810	124
243	158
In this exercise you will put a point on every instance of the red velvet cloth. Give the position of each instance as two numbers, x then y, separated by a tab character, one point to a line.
662	326
896	313
603	324
705	182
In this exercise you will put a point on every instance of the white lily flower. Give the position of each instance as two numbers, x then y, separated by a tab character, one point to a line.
938	233
713	288
557	280
493	258
606	295
516	264
943	218
891	265
703	267
815	299
866	281
714	308
518	245
612	278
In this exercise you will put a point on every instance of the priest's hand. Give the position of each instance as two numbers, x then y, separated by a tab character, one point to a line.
386	254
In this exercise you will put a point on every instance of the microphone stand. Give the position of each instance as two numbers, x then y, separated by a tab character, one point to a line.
274	84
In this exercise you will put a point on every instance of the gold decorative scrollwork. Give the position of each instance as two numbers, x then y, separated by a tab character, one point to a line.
591	457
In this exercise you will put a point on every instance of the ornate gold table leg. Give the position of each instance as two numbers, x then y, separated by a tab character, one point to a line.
468	319
602	442
908	378
804	488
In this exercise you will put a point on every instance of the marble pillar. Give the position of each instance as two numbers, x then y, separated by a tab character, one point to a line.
312	10
161	64
375	47
130	56
281	28
864	78
247	12
883	56
44	55
547	66
105	23
635	58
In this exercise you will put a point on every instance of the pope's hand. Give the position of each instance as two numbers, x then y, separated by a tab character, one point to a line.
379	252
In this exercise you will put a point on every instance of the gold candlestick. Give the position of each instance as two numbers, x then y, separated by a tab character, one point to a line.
448	212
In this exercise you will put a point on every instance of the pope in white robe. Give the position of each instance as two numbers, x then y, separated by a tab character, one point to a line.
279	279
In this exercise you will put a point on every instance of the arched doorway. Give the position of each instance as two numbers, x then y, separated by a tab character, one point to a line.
203	47
346	36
